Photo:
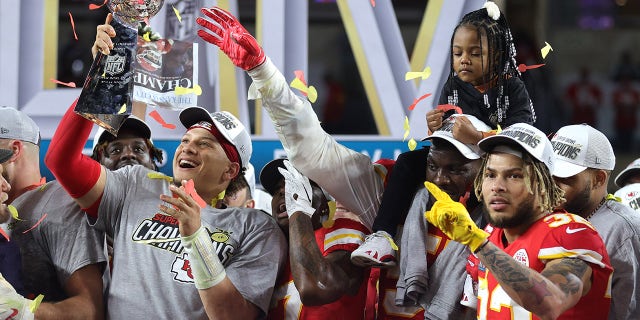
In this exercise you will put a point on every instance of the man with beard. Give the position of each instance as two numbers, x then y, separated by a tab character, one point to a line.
132	146
533	262
319	282
584	160
63	257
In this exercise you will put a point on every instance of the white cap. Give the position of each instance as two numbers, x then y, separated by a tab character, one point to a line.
15	124
631	169
469	151
229	126
132	123
578	147
630	195
530	138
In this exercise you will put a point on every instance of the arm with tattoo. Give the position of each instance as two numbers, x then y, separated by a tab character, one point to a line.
547	294
319	279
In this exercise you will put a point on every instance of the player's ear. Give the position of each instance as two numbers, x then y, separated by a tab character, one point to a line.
600	178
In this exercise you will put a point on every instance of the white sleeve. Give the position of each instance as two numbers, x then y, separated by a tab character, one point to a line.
347	175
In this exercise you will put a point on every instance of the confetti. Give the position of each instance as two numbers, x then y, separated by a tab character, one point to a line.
415	102
424	74
522	67
4	234
332	213
545	50
412	144
36	303
73	26
123	109
182	90
14	212
300	84
406	128
157	117
35	225
190	189
177	14
373	3
145	36
158	175
68	84
447	107
96	6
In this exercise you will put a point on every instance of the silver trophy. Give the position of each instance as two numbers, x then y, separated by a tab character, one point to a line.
132	12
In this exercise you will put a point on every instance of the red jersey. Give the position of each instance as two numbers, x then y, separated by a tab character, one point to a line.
555	236
387	309
345	234
626	101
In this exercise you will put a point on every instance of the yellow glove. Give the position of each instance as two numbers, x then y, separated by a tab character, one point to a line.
453	219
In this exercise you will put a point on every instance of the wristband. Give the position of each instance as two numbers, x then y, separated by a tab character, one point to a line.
481	246
206	267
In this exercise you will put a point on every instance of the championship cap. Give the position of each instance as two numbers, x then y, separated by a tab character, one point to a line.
578	147
631	169
14	124
132	123
630	195
270	176
528	137
469	151
229	126
5	154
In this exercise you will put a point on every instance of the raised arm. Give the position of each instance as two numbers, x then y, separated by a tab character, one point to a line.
319	279
82	177
345	173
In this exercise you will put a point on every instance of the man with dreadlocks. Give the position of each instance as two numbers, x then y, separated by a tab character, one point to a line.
532	263
484	80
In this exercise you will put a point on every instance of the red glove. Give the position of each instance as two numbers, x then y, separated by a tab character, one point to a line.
231	37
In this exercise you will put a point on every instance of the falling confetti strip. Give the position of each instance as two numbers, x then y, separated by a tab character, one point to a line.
522	67
158	175
4	234
157	117
68	84
73	26
35	303
182	90
37	223
190	188
447	107
424	74
545	50
415	102
14	212
300	84
96	6
412	144
332	213
373	3
123	109
406	128
177	14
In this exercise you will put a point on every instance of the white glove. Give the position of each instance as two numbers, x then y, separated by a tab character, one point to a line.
297	191
13	305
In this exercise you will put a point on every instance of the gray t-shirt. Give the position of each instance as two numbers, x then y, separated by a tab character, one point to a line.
619	227
60	244
151	277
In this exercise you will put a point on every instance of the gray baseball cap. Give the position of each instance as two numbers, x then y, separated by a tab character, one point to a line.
14	124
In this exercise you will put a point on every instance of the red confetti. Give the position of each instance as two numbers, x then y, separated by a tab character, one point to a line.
4	234
73	26
373	3
157	117
415	102
96	6
190	188
35	225
523	68
447	107
300	75
68	84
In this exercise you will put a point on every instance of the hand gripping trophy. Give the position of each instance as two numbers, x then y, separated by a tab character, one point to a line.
107	90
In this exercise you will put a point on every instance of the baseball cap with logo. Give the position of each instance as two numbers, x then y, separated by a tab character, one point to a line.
469	151
229	126
630	195
14	124
580	146
5	154
631	169
528	137
132	123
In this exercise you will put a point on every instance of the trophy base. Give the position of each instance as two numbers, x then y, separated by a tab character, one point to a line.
110	122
